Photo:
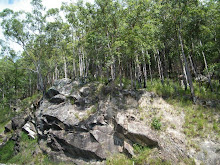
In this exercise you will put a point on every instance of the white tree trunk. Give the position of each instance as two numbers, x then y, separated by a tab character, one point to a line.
65	67
160	67
206	67
56	72
189	77
144	69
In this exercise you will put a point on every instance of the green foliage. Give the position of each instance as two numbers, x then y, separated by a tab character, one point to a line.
7	151
156	124
26	103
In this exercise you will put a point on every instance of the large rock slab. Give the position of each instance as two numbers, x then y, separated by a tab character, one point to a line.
30	129
210	153
135	131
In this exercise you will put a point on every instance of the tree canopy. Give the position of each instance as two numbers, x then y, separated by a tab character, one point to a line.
132	40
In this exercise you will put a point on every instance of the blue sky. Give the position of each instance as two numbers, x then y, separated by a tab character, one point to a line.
9	2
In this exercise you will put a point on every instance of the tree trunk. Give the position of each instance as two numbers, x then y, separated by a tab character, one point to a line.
184	78
56	72
189	77
150	70
120	73
164	66
131	75
30	91
191	61
151	78
206	67
138	72
74	68
144	69
83	63
41	86
160	67
65	67
80	63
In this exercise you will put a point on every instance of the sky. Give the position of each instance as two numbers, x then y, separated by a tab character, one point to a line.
17	5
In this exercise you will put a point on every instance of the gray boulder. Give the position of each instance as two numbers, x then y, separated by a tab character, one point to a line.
18	122
63	86
201	78
8	127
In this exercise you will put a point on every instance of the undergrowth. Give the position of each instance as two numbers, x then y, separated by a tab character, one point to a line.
171	89
200	121
143	155
7	151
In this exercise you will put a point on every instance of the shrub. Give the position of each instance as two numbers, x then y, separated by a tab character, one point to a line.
156	124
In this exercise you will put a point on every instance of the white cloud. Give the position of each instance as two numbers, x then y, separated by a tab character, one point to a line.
26	6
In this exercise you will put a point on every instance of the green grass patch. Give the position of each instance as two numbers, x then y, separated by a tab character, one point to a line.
7	151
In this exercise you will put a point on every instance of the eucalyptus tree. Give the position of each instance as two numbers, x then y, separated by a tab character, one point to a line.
27	30
58	35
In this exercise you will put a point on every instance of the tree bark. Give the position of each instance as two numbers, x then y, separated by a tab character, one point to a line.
80	63
144	69
131	75
65	67
41	86
160	67
189	77
191	61
206	67
56	72
74	68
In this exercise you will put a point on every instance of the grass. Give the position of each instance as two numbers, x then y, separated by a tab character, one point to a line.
25	156
143	155
119	159
2	126
7	151
199	120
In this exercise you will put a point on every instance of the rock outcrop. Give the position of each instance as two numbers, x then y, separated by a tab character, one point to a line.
92	122
87	123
